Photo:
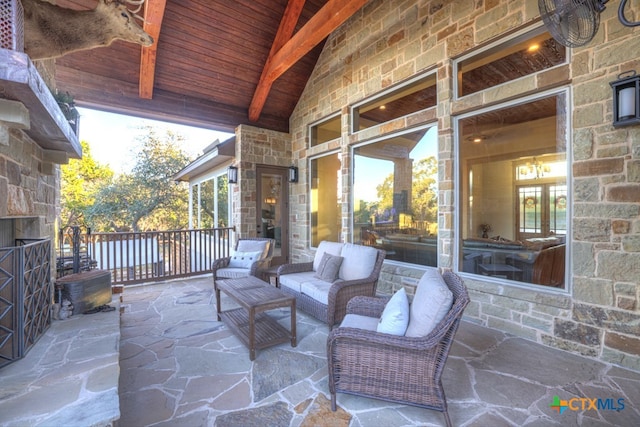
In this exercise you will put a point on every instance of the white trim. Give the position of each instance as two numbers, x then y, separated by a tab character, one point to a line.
455	244
528	31
388	91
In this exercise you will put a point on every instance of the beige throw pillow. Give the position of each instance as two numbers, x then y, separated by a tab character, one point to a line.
431	303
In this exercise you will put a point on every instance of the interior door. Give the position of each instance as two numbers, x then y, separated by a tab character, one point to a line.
272	212
542	210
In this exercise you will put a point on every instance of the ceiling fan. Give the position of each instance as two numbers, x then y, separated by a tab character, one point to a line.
574	23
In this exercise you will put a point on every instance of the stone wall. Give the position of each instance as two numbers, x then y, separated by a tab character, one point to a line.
29	184
27	189
388	41
254	146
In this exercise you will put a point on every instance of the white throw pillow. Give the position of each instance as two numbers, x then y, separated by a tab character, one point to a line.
244	259
431	303
395	317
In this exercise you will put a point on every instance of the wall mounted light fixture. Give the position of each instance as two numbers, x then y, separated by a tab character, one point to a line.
293	174
232	175
626	99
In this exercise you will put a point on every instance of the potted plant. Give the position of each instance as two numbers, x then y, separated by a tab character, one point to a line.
68	108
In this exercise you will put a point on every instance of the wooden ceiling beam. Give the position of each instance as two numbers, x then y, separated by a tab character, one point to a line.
333	14
285	31
153	15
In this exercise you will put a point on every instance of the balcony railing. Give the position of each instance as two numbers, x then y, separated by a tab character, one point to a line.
136	257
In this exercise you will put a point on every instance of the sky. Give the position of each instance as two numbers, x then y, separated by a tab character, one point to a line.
112	137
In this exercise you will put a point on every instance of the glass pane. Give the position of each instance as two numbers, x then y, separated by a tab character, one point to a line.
271	209
223	201
516	58
195	206
530	213
395	196
405	100
327	130
325	200
558	209
207	206
513	192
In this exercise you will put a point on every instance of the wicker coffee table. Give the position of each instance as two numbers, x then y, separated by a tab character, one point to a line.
255	328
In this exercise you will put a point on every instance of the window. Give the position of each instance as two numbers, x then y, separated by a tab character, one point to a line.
326	197
409	98
523	55
210	203
395	184
326	130
513	191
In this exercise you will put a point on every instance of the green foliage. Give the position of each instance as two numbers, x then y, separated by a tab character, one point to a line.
424	201
147	198
81	180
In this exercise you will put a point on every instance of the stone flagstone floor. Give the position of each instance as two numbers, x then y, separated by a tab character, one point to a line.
181	367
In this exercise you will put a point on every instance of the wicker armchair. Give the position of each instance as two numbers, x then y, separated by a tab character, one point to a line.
220	266
394	368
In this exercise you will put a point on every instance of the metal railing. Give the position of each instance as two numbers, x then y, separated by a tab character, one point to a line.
136	257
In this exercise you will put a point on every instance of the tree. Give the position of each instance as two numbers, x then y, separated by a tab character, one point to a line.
147	198
81	180
424	191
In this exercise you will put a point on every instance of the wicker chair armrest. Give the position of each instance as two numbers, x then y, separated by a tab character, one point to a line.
259	265
220	263
295	268
367	306
341	293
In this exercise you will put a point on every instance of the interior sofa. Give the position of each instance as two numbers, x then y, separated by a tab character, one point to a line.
403	244
338	272
537	260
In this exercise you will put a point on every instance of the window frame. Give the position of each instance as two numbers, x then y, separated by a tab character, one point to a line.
565	91
529	31
378	96
352	154
320	122
309	188
212	176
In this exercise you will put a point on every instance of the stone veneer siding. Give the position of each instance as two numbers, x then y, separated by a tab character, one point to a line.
29	185
254	146
388	41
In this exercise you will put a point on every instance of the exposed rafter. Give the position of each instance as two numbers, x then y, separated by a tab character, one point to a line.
153	14
285	31
331	16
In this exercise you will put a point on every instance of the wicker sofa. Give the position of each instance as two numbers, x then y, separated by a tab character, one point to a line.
399	368
326	300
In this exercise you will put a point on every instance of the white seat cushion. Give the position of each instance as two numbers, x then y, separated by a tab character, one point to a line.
294	280
360	322
358	261
332	248
431	303
395	317
317	289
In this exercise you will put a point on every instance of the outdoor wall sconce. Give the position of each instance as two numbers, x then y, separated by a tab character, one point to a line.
232	175
293	174
626	99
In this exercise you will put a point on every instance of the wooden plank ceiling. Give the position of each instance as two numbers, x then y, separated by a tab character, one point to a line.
215	64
